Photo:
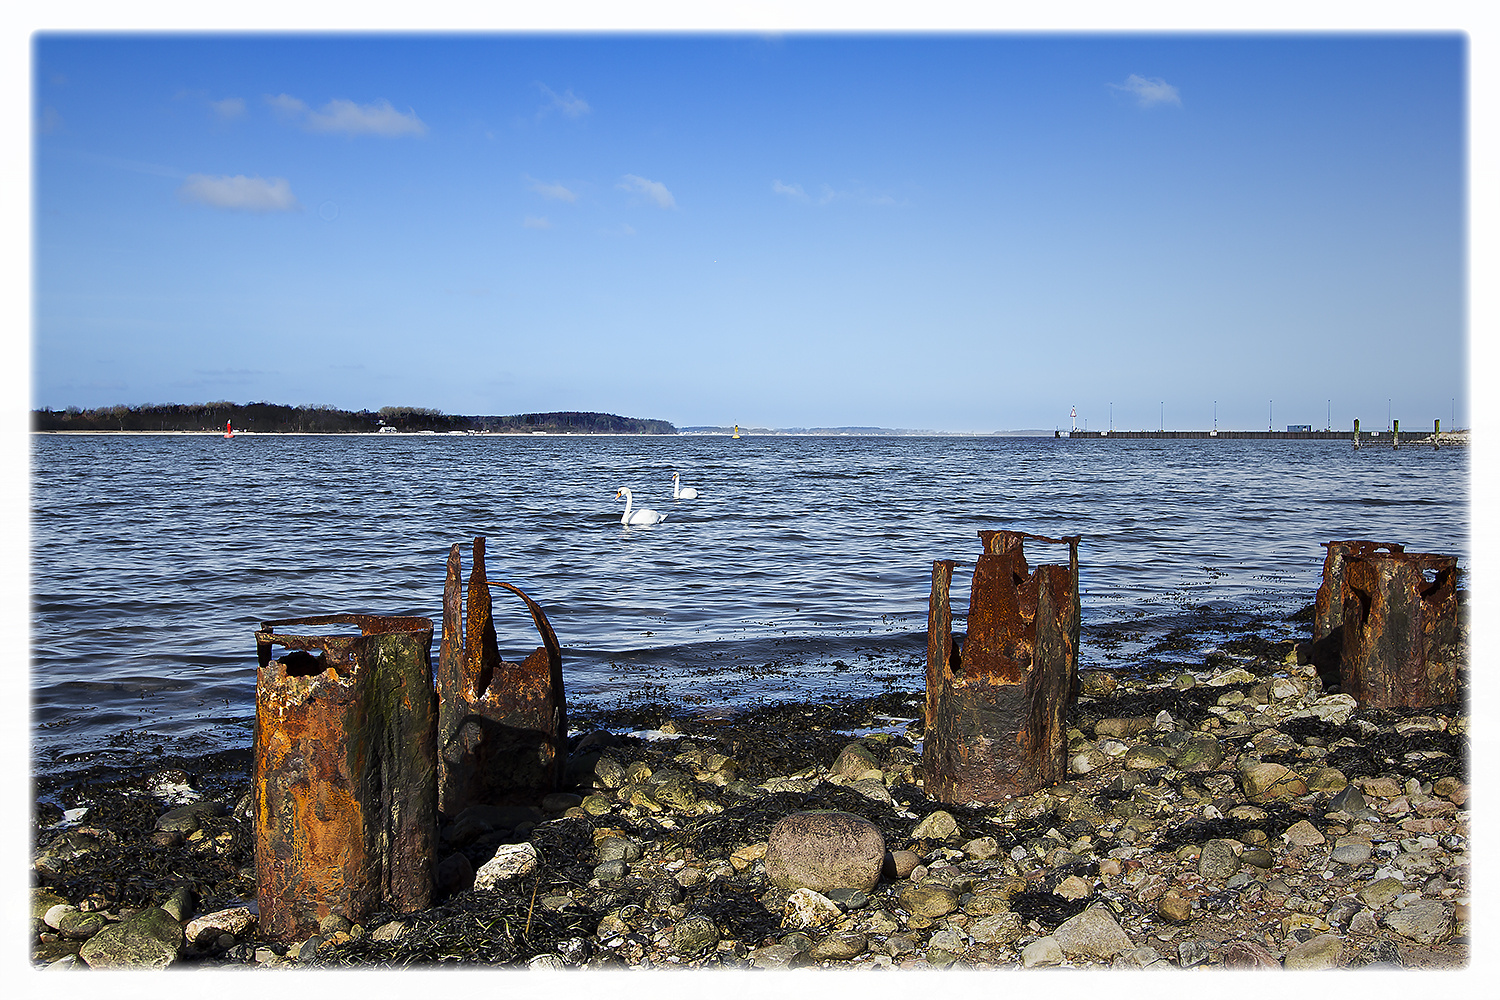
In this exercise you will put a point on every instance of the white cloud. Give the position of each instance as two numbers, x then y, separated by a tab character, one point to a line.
378	118
793	191
229	107
1149	91
655	190
536	222
286	104
344	116
555	190
828	195
240	193
566	102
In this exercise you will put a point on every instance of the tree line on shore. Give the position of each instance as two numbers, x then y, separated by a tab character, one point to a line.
268	418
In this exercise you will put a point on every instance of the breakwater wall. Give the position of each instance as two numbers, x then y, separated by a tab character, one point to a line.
1365	437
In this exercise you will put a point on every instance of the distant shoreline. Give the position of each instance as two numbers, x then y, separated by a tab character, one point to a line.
1370	438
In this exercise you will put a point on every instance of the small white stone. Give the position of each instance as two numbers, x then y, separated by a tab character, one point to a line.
510	861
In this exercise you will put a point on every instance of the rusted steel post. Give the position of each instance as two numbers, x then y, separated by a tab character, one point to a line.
345	771
997	698
1328	617
1400	630
1329	606
501	726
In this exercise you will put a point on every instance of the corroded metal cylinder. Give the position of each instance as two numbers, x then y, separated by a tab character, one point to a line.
1400	630
997	698
501	726
345	771
1329	606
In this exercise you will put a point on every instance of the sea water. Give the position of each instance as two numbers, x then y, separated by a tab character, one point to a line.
802	571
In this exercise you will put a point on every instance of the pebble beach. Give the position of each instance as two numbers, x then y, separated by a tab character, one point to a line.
1237	816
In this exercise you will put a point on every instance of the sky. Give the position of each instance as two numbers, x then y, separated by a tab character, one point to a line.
960	231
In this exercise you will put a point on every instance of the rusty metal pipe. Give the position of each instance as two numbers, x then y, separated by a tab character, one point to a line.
997	699
501	726
345	776
1400	630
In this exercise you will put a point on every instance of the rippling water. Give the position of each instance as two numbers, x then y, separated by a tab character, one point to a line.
804	567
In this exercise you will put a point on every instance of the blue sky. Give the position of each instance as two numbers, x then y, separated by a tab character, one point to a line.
970	231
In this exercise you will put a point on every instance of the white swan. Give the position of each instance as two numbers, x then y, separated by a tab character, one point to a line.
680	492
643	516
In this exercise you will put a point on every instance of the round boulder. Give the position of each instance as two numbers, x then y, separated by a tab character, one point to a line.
823	851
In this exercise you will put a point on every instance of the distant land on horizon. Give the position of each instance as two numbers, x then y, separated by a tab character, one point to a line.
273	418
276	418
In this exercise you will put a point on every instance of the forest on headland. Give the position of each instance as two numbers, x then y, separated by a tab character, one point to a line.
273	418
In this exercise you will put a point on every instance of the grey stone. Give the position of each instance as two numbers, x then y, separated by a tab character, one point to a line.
1043	951
235	920
939	825
65	847
1327	779
1266	782
839	946
80	926
595	770
391	930
1094	933
776	956
1121	728
1320	952
54	915
619	849
675	791
181	903
1218	861
1351	851
694	934
849	899
854	761
1138	958
1378	953
186	819
873	789
806	908
897	945
1198	754
510	861
1350	800
1303	834
1426	921
929	900
998	928
1381	892
824	850
1195	951
1146	758
946	947
149	939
